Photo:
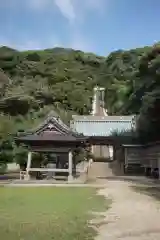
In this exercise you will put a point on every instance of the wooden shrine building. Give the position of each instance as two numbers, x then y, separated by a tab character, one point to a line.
52	136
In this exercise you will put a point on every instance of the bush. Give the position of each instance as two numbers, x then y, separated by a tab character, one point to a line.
3	168
33	57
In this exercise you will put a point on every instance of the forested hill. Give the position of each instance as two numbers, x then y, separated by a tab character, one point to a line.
34	82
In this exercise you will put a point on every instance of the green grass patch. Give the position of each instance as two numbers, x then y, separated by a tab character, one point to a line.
48	213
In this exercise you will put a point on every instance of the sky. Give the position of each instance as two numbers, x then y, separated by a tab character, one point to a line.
99	26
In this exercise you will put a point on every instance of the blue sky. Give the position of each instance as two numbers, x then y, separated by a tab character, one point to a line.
99	26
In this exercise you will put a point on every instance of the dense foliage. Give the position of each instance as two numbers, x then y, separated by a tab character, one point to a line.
34	82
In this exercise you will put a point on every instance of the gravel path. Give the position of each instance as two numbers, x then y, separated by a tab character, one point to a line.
132	216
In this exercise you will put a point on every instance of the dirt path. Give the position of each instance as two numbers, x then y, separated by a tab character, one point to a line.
98	172
132	216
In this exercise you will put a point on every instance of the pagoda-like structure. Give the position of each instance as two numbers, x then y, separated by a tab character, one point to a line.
52	136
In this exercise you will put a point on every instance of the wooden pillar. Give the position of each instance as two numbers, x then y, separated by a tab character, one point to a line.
125	157
151	166
159	166
70	166
28	165
125	160
92	150
111	151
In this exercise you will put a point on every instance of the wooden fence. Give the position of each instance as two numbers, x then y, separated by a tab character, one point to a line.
146	156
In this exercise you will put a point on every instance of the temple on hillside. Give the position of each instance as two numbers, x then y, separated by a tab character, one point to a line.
99	125
56	143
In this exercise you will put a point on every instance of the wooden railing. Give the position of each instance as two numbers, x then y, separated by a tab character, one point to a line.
23	174
47	170
148	156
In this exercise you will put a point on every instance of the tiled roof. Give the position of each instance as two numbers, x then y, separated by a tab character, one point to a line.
50	137
101	126
52	129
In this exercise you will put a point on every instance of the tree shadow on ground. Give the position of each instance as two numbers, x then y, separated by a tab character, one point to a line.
116	168
132	179
150	191
135	177
9	176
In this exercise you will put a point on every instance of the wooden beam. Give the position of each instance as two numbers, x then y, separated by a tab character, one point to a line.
47	170
50	149
159	167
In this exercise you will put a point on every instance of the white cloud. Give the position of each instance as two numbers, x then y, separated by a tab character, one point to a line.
96	4
70	9
30	44
38	4
6	42
75	10
67	9
79	42
21	46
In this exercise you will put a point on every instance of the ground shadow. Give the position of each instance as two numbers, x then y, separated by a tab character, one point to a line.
132	179
150	191
9	176
116	168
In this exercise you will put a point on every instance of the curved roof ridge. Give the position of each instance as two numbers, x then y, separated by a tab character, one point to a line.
54	119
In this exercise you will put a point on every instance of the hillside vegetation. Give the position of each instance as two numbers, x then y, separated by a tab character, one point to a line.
34	82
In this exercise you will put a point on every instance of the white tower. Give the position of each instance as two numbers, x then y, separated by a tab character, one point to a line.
98	109
98	102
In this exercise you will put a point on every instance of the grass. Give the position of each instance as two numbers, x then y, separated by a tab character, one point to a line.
48	213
